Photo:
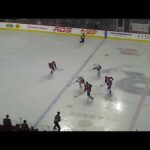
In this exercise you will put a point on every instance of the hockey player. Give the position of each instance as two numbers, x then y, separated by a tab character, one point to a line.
52	66
98	68
107	79
109	83
80	80
85	86
57	119
82	38
88	88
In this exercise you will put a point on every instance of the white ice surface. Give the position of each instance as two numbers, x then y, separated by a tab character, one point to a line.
27	89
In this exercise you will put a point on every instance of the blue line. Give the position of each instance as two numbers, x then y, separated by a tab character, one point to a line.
62	91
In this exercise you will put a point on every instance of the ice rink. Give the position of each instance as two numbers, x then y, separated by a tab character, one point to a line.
27	89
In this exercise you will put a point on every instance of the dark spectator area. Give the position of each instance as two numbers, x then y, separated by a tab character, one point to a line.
23	126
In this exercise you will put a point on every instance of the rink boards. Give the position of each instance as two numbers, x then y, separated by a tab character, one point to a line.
69	31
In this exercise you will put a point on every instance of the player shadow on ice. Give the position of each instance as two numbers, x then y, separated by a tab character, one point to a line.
78	46
105	93
46	77
79	92
108	97
87	102
114	69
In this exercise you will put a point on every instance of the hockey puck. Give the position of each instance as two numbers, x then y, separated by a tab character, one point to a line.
106	55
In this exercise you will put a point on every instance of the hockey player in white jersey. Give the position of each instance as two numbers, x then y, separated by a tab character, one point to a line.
98	68
108	81
80	80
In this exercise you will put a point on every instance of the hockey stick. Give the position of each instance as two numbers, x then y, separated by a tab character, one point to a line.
93	67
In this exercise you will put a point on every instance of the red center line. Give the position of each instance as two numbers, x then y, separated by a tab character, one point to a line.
137	112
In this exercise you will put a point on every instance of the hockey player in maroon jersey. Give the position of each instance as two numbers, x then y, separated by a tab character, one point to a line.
80	80
88	88
85	86
52	66
107	79
98	68
109	83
